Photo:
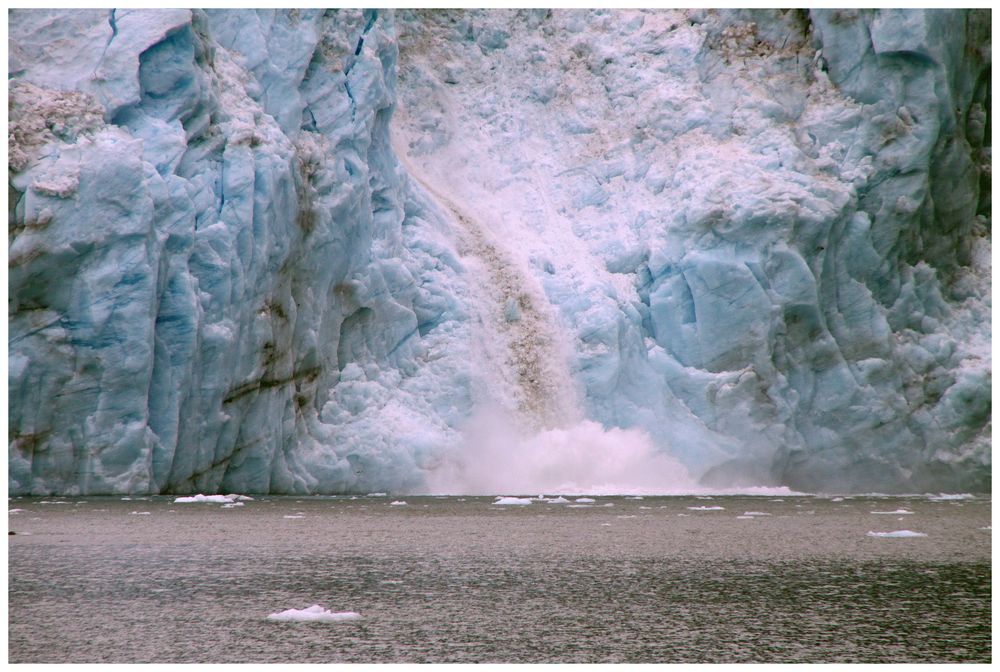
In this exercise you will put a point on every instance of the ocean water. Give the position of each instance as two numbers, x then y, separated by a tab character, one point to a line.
459	579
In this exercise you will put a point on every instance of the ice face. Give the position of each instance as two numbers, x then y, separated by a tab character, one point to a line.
757	242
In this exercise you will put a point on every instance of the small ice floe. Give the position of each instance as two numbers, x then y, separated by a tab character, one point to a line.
48	502
232	505
646	507
744	517
512	501
126	499
624	516
584	500
211	499
988	527
944	497
376	494
685	515
703	497
755	513
837	499
398	502
605	524
608	504
139	513
557	500
392	581
15	510
293	517
634	497
579	506
706	508
315	613
897	512
897	534
776	500
240	498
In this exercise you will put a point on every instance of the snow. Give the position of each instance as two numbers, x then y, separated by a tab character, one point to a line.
629	252
897	534
512	501
315	613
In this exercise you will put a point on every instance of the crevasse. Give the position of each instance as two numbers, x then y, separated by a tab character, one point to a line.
754	242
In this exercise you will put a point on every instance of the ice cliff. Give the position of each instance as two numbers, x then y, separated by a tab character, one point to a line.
303	251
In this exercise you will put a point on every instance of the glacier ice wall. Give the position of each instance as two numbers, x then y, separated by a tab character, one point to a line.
209	267
766	231
759	237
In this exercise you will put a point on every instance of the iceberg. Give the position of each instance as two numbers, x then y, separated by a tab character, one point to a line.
478	251
315	613
898	534
512	501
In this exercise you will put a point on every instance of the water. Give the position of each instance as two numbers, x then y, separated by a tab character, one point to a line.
461	580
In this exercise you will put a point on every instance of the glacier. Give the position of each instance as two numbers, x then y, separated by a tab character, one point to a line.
343	251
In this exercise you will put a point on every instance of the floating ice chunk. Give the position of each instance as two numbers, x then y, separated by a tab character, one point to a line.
605	524
897	534
584	500
46	502
398	502
512	501
744	517
376	494
211	499
15	511
900	512
837	499
703	497
239	498
232	505
579	506
944	497
635	497
295	516
557	500
314	613
139	513
646	507
608	504
756	513
988	527
706	508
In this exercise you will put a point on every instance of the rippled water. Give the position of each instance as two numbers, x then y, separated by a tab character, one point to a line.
462	580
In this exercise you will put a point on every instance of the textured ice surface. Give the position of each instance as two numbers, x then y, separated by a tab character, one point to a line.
315	613
308	251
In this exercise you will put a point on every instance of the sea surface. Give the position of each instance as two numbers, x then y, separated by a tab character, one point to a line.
460	579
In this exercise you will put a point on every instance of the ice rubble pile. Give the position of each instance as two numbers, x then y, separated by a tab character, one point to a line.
759	237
